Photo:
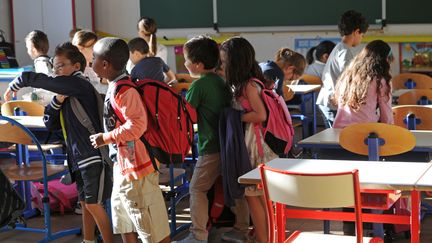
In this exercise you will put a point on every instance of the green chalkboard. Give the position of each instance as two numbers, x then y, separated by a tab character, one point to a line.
179	13
409	11
252	13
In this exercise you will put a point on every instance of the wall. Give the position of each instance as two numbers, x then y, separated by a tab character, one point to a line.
5	18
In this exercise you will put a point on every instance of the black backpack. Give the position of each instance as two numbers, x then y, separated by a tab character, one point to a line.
11	204
7	53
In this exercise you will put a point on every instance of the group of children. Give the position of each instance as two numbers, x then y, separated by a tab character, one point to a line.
354	86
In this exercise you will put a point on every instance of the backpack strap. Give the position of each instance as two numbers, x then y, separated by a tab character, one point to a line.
258	126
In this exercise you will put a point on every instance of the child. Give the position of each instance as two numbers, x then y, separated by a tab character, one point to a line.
147	29
209	95
352	27
137	204
91	173
85	40
37	45
288	65
317	58
238	61
147	66
364	86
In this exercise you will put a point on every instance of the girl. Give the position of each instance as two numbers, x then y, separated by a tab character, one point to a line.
317	57
240	67
365	86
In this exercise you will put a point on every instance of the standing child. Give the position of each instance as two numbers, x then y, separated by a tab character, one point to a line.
209	94
317	57
238	61
363	91
89	170
137	204
352	27
147	66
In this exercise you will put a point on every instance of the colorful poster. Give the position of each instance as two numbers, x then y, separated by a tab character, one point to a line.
416	57
302	45
179	59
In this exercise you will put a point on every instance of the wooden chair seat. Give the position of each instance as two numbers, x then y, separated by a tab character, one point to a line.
422	81
164	176
412	97
45	147
311	79
308	237
423	113
33	172
179	87
31	108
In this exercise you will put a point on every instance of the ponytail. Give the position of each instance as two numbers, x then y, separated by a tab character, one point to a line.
310	57
153	45
149	25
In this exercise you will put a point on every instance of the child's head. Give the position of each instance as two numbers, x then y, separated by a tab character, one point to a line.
147	30
68	59
291	63
72	33
36	43
321	52
138	49
238	62
84	40
110	57
353	23
371	64
201	54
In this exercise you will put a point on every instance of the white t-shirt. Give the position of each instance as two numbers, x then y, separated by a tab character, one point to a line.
95	80
315	69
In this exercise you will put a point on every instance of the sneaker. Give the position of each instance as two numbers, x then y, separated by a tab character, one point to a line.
78	209
190	239
235	236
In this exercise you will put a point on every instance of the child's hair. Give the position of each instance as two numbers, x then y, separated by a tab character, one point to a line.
203	49
39	40
350	21
72	53
82	37
240	64
72	33
138	44
371	65
316	52
115	51
149	25
289	57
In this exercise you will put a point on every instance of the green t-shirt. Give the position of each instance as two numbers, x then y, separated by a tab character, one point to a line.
209	95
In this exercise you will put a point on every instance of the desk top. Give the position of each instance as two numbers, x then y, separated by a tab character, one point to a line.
304	88
35	122
372	174
425	182
330	137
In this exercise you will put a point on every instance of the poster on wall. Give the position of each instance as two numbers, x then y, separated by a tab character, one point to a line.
302	45
179	59
416	57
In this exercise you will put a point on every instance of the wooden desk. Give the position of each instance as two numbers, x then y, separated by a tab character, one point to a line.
307	91
405	176
34	123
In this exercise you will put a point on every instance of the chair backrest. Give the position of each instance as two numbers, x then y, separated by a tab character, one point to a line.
31	108
397	140
311	79
330	190
414	97
12	133
422	81
184	76
422	114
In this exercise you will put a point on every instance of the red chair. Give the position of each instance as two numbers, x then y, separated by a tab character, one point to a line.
333	190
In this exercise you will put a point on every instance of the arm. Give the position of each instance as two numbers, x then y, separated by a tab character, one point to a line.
170	77
52	113
258	113
193	95
385	103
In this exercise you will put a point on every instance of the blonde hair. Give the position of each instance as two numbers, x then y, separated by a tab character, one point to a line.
149	25
289	57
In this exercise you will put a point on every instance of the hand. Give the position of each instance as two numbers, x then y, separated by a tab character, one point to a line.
174	81
9	94
61	98
97	140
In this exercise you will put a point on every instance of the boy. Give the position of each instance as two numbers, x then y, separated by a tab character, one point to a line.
137	204
37	48
90	171
209	95
352	27
147	67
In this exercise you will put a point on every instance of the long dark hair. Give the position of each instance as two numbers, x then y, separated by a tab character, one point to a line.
240	64
371	65
324	47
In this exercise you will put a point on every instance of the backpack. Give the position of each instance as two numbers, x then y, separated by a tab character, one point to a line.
219	214
277	129
169	135
61	197
7	53
11	204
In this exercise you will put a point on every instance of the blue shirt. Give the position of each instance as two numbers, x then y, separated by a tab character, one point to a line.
273	72
150	68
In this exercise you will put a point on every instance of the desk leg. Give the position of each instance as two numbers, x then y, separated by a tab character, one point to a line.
415	216
314	112
280	222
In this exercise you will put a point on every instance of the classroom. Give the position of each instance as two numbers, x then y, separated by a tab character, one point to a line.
215	121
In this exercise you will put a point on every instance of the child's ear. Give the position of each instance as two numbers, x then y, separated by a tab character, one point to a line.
77	66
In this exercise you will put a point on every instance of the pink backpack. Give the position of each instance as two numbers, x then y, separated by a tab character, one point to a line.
277	129
62	197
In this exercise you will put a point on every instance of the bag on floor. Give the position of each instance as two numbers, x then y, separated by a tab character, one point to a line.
62	198
11	204
169	135
219	214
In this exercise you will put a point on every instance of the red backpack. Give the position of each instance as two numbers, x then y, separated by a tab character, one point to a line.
169	135
277	129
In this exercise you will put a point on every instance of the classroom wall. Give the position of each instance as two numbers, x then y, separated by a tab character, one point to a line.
5	18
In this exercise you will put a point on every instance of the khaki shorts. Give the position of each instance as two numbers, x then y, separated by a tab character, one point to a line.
138	206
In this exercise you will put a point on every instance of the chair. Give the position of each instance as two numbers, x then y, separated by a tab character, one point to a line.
24	170
333	190
413	117
411	81
185	77
311	79
181	88
416	97
31	108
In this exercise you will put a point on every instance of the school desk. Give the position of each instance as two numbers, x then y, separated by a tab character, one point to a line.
307	91
405	176
34	123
